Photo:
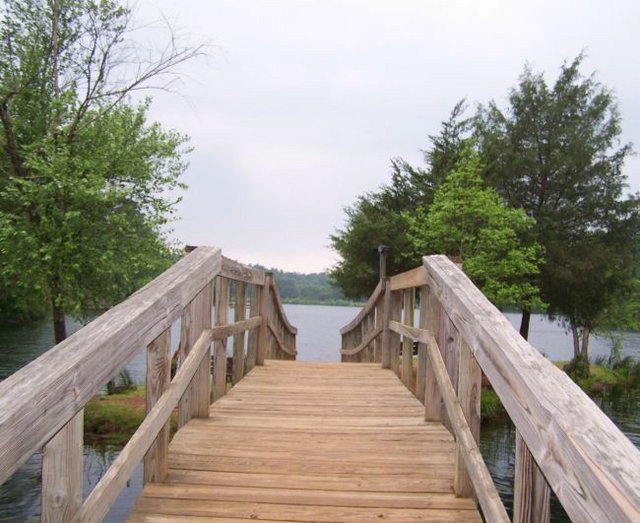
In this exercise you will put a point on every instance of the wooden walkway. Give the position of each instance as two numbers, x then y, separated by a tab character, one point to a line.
303	441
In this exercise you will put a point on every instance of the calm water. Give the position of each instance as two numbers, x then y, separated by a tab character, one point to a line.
318	339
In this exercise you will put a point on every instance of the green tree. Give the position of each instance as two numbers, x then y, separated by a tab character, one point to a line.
555	153
377	218
467	220
85	181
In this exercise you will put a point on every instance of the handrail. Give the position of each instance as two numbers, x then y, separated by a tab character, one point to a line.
42	403
368	307
564	439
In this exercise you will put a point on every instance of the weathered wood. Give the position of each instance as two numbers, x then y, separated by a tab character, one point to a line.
368	307
413	333
422	346
488	496
394	339
433	402
372	335
386	332
158	380
469	390
252	344
410	279
196	318
265	298
279	308
220	346
38	400
531	493
590	465
377	342
315	453
407	342
239	314
62	460
236	271
280	342
106	491
449	340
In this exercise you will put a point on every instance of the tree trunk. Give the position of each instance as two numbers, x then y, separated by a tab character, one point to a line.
576	340
584	350
524	324
59	325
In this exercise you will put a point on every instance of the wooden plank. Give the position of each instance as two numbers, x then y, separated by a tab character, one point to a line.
106	491
394	339
279	308
38	400
469	390
410	279
386	332
265	298
590	465
371	336
488	496
239	314
252	345
236	271
220	346
421	372
409	298
280	341
62	460
377	294
433	402
158	380
196	318
531	493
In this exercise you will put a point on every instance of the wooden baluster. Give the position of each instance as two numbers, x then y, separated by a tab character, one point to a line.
407	344
158	380
239	314
469	389
396	315
530	490
422	348
196	317
62	461
377	343
220	346
265	298
254	310
433	402
386	332
449	342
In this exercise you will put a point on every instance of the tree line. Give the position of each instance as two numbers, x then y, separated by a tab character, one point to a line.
530	196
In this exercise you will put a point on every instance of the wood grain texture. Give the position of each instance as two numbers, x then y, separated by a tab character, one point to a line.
386	332
252	344
407	280
377	294
371	336
408	308
220	345
394	338
39	399
279	308
158	380
62	460
590	465
236	271
265	299
307	441
433	402
106	491
421	372
531	492
488	496
239	314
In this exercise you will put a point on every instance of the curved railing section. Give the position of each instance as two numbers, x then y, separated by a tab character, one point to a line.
41	405
564	443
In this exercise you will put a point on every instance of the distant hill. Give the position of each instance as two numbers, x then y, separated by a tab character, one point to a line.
313	288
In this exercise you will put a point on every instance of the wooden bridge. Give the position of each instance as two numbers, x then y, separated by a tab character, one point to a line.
302	441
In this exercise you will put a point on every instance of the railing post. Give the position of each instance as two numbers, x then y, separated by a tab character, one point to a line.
158	380
196	317
239	314
379	324
386	332
407	345
469	389
433	402
263	332
254	310
394	338
530	488
422	348
220	346
62	472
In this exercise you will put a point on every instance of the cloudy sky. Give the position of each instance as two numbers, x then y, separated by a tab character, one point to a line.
300	104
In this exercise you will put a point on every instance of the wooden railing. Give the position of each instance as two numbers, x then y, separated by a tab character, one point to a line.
41	405
564	442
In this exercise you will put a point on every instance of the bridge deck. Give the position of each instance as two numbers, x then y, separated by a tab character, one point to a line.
302	441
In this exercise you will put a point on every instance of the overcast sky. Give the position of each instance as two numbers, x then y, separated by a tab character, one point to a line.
300	105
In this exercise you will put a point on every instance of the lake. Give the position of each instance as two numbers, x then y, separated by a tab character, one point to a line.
318	339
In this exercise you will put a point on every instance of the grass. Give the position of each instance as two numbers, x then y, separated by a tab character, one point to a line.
110	420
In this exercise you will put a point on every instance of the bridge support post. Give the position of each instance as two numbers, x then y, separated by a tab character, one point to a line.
62	473
252	345
433	402
407	345
220	347
239	314
265	297
530	490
